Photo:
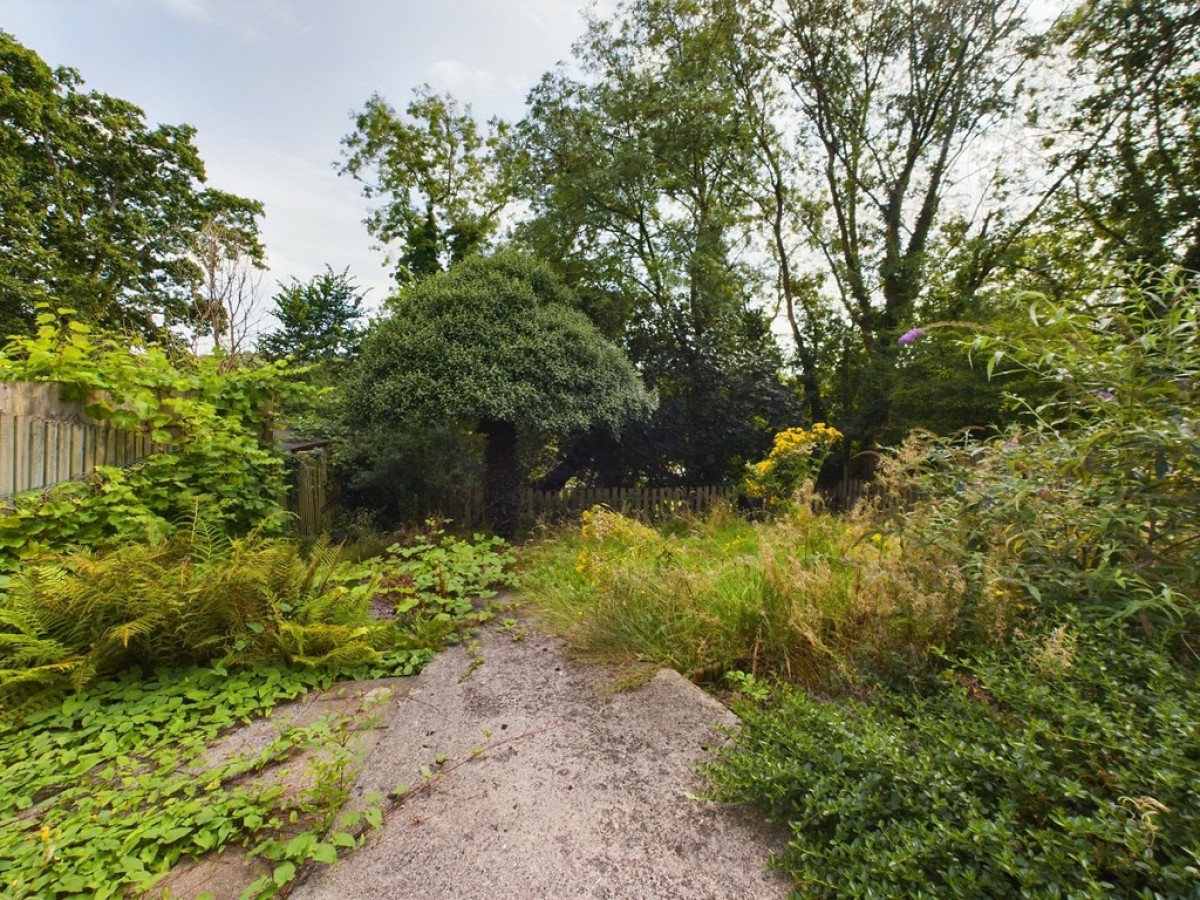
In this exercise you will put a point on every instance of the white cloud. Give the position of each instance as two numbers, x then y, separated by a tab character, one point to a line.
247	22
459	78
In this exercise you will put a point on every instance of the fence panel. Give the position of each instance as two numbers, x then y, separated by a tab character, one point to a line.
464	507
308	497
45	440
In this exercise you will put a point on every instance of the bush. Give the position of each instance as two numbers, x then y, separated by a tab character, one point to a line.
1063	766
795	460
1094	499
215	423
806	597
201	596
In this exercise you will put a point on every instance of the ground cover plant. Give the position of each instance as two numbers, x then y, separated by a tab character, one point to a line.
985	682
1064	764
102	729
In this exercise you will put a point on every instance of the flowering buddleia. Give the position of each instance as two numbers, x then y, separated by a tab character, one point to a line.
911	336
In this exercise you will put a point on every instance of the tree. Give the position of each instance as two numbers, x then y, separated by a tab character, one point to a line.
493	343
434	171
100	211
636	179
1132	114
888	101
317	317
228	261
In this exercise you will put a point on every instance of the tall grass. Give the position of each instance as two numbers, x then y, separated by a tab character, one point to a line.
808	597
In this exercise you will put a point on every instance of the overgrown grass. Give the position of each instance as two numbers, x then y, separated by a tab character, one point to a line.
1018	636
810	598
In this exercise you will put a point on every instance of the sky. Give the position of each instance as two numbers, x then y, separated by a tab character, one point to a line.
271	86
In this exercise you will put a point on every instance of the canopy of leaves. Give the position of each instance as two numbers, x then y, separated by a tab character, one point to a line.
433	171
100	211
1133	118
317	318
493	339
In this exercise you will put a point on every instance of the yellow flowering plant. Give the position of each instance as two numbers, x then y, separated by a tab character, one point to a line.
796	457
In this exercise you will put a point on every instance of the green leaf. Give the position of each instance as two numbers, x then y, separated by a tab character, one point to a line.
324	853
284	872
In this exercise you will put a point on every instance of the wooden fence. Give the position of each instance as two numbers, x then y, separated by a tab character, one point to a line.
45	440
465	506
309	491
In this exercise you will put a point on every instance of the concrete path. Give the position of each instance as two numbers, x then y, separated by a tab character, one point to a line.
550	785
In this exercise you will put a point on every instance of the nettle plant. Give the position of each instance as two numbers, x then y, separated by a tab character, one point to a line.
212	422
1094	498
796	457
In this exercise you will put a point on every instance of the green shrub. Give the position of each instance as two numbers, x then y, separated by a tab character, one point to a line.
795	460
807	597
1065	766
214	421
201	596
1094	500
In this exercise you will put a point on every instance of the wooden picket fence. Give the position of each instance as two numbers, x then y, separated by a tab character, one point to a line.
45	440
465	505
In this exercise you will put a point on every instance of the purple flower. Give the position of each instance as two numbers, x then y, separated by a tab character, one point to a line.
910	336
1106	395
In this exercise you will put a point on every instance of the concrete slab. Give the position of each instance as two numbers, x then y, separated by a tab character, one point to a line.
552	786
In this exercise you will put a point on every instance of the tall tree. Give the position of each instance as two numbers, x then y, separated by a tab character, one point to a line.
888	99
494	344
433	168
636	179
228	261
1133	120
100	211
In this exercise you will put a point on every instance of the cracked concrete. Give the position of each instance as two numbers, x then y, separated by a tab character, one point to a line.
550	785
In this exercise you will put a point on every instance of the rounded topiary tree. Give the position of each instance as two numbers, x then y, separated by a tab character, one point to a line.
495	344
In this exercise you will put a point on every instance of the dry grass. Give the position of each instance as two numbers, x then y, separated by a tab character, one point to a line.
811	598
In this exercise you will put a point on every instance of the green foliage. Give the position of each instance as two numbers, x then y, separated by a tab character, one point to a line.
491	345
196	597
317	319
794	462
638	175
209	422
434	171
100	794
102	791
494	338
1092	500
101	211
1063	766
392	472
202	596
1134	133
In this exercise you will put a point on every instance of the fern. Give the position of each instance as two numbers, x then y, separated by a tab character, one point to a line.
201	596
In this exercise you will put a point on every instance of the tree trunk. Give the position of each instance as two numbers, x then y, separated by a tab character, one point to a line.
501	477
